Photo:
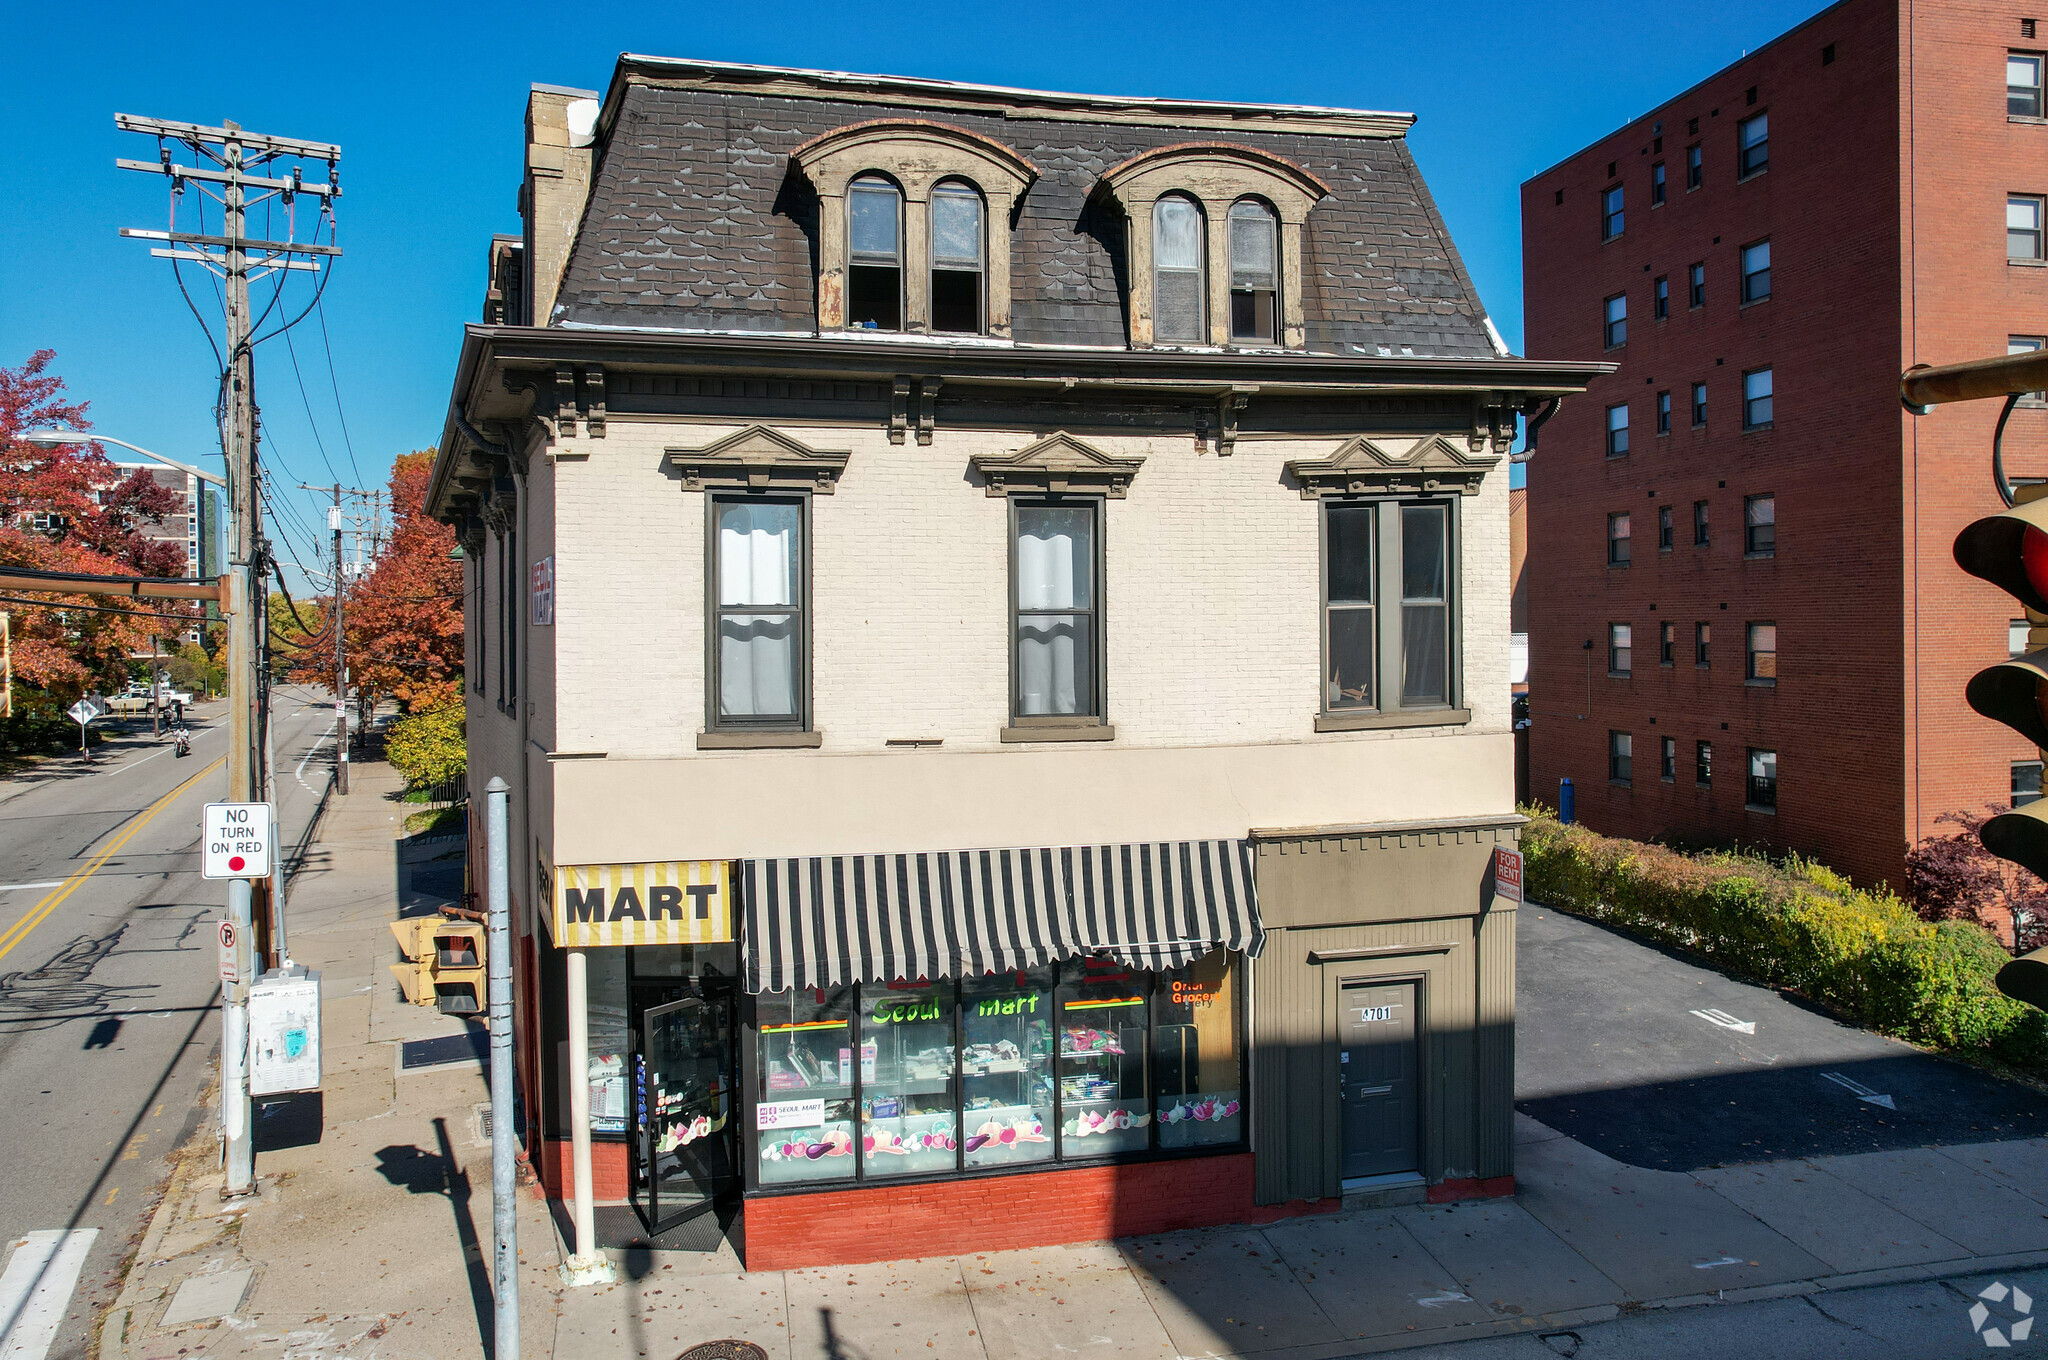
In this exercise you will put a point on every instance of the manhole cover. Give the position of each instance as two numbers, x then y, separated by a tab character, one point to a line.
724	1350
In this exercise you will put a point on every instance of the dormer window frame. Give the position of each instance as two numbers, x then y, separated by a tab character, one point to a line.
1217	176
918	157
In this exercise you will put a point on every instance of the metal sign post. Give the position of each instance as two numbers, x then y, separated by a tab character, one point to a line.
504	1192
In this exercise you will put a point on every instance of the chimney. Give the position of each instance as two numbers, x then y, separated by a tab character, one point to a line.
560	136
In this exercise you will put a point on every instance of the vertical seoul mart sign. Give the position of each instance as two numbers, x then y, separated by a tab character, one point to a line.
237	840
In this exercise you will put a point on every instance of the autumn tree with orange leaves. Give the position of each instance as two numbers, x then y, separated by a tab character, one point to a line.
403	621
70	509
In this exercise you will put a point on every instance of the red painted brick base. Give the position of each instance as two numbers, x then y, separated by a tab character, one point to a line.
1471	1187
610	1171
999	1213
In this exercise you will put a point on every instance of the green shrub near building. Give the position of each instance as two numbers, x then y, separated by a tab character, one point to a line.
1798	925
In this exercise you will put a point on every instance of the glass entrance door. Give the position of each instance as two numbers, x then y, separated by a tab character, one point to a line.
683	1106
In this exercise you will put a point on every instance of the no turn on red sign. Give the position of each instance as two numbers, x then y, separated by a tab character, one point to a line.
237	840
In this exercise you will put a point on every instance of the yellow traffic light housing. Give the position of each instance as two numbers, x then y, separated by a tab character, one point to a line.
444	963
2010	550
2026	979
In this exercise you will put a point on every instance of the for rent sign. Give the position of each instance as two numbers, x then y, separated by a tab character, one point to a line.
674	902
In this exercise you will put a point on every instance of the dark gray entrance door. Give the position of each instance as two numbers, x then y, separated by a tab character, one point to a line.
682	1108
1377	1075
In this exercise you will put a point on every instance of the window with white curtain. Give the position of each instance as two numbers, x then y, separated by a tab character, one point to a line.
1056	611
761	670
1177	286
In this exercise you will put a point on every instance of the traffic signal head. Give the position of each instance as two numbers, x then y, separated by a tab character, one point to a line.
2026	979
2010	550
2020	836
2015	693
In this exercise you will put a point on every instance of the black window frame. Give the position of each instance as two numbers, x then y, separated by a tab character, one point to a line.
1699	405
1750	420
1657	184
1754	784
1620	530
1703	764
1703	645
1752	158
1696	285
1389	657
1759	539
1702	524
1621	649
1098	596
508	619
1695	167
1617	435
1660	298
1614	320
1667	643
1667	759
1751	289
1753	672
1666	529
480	678
1612	217
1664	412
2021	795
714	720
1621	758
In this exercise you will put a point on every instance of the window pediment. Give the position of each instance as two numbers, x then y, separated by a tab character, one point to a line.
916	152
1392	463
758	459
1055	464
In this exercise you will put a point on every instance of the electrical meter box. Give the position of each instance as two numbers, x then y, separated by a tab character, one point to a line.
284	1032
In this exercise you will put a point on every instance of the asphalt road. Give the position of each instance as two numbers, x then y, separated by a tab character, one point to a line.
108	980
1617	1045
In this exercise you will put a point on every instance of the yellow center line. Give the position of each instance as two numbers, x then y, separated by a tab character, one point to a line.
19	931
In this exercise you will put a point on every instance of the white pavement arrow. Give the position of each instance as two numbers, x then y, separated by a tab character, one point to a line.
1727	1021
1859	1090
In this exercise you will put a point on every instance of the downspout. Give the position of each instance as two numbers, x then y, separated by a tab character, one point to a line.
1536	419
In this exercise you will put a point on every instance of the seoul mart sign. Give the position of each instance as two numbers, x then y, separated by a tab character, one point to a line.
237	840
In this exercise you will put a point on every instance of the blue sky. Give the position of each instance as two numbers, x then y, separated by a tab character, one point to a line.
426	104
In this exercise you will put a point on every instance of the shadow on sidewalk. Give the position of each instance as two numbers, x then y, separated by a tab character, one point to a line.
429	1173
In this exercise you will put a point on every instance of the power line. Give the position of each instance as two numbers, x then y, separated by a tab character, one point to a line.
334	380
307	402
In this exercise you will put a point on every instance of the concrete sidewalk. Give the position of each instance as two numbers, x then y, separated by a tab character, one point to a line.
369	1237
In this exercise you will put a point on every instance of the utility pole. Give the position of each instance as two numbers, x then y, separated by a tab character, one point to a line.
229	163
340	653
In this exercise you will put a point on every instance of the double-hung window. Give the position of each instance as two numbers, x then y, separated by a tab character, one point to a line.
1177	285
1663	528
1621	649
1763	654
1701	531
1753	145
1660	297
959	250
1657	184
2026	782
1694	168
1254	273
1756	272
1610	213
1621	749
1617	539
760	664
1617	430
2022	227
1696	285
508	619
1667	760
874	255
1667	644
2023	84
1763	780
1615	315
1699	404
1663	413
1056	612
1756	398
1702	644
1760	525
1703	764
1383	651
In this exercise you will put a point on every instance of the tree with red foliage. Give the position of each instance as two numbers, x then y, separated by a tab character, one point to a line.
403	622
1954	878
70	509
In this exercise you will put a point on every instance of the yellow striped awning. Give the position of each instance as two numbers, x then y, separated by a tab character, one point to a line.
674	902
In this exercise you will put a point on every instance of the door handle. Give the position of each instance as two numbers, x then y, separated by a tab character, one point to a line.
1374	1090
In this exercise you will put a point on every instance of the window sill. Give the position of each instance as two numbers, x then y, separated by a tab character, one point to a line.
1617	566
1620	675
1080	731
1758	556
2027	264
757	741
1757	428
1757	807
2024	118
1753	302
1621	783
1754	683
1419	717
1757	173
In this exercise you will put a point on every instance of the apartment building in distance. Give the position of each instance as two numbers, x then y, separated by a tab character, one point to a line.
992	606
1746	623
194	525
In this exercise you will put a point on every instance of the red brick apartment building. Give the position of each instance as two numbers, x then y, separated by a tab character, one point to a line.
1744	619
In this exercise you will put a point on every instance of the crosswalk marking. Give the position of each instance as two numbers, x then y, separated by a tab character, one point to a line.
36	1289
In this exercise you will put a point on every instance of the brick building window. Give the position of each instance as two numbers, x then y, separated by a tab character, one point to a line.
1663	413
1703	764
1696	285
1056	632
2022	227
1753	145
1177	280
1762	651
1657	184
2028	344
2023	85
2026	782
2016	632
1610	213
1621	757
1667	760
1693	167
959	250
1614	318
874	255
1617	539
1756	271
1760	525
1663	528
1620	649
1762	793
1380	651
1617	430
1254	272
1667	644
1699	404
1700	535
1702	642
1660	297
1756	399
760	673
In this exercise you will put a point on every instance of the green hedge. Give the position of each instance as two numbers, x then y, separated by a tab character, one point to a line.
1798	925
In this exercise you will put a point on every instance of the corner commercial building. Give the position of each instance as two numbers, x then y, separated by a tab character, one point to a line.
1745	621
993	607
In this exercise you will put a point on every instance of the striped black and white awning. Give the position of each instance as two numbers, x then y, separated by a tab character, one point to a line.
857	918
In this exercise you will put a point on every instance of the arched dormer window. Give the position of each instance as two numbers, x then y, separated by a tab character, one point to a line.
1231	185
952	182
1254	273
1177	284
874	255
959	258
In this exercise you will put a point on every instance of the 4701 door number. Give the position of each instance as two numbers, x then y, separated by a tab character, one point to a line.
1368	1014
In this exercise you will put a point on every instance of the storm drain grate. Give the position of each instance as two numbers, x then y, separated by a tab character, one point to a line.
724	1350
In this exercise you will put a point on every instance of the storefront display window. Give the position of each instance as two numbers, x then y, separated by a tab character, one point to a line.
909	1126
1194	1043
1105	1091
608	1039
805	1111
1005	1068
